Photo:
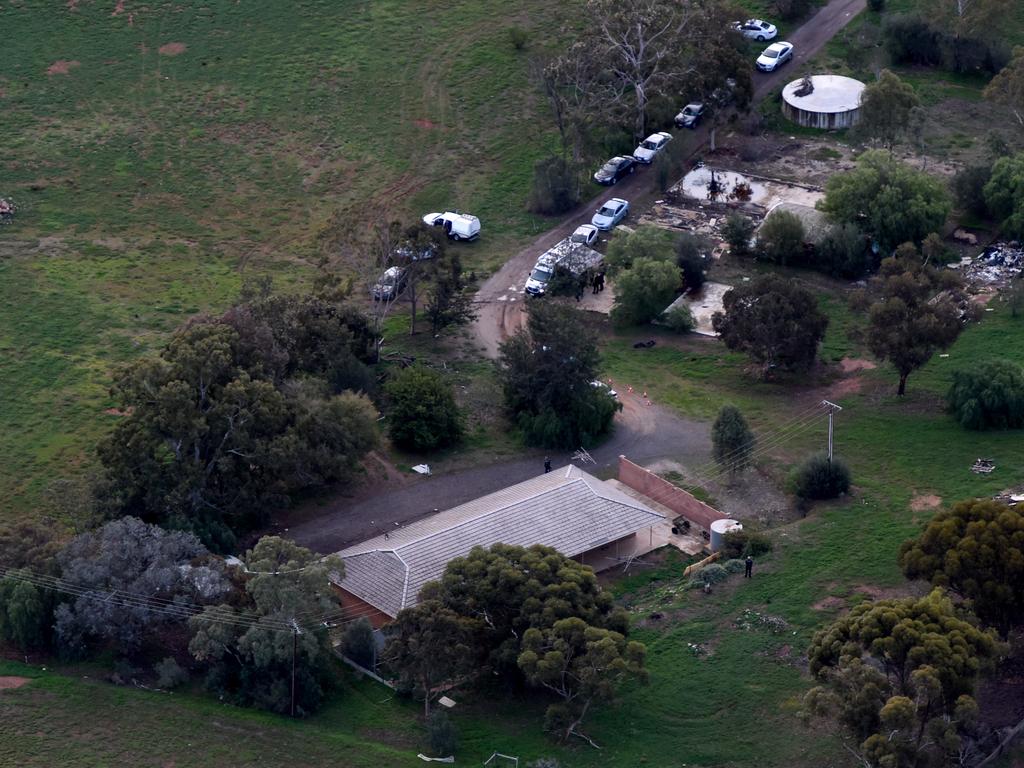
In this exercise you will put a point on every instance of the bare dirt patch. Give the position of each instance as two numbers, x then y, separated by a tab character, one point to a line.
424	123
172	49
852	364
62	67
925	501
830	603
13	681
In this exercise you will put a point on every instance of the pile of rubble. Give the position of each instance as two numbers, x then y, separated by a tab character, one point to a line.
994	267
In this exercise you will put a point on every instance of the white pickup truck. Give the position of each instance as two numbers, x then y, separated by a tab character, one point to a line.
458	226
574	256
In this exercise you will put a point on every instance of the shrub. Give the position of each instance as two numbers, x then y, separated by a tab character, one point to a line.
792	9
739	544
732	442
663	172
969	189
738	231
518	37
679	319
819	478
990	396
876	5
169	674
358	643
911	40
846	252
734	566
691	258
441	731
555	187
423	415
644	242
712	573
780	239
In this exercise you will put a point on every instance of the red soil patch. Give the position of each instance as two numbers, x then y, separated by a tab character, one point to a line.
61	67
172	49
851	364
13	682
422	123
72	5
118	412
925	501
829	603
119	8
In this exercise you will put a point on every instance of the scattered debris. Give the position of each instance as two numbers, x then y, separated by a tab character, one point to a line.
994	267
697	649
423	469
751	619
964	236
1010	498
983	466
7	210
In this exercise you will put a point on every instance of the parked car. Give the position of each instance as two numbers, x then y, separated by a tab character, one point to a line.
651	146
541	274
389	285
610	214
755	29
725	93
596	384
774	56
575	257
615	169
586	234
458	226
690	115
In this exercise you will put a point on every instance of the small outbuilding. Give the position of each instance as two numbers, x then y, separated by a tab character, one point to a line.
823	101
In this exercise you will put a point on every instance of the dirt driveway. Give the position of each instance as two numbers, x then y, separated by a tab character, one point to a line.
643	433
500	298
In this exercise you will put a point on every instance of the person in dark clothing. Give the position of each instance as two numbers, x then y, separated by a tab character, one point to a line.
600	281
748	572
594	282
547	465
579	290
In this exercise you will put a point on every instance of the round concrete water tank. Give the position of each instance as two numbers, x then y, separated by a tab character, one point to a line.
823	101
718	530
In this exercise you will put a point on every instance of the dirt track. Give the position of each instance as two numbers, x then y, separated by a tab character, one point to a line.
500	298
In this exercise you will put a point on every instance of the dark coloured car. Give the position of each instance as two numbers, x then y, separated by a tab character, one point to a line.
615	169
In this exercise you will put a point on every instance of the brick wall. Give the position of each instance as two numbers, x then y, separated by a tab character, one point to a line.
663	492
354	607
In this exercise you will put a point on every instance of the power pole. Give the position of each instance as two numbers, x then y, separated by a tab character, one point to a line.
833	408
295	642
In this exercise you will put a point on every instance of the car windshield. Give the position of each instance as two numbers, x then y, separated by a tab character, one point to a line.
648	144
579	237
606	211
610	166
540	274
690	111
771	54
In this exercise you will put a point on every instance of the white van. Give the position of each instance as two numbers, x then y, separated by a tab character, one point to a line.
458	226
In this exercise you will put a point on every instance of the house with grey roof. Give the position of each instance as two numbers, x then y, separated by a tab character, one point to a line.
567	509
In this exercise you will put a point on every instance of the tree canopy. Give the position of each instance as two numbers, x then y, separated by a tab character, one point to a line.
905	325
890	200
212	443
898	676
780	239
976	549
773	320
988	396
510	589
247	653
580	664
644	291
885	109
1004	194
732	441
645	242
1007	87
132	558
546	372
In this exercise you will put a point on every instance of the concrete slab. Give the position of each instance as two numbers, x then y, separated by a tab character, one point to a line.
703	306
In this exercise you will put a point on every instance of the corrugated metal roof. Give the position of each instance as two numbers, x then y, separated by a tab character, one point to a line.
567	509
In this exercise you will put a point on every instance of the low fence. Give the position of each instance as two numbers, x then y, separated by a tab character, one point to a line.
697	566
662	491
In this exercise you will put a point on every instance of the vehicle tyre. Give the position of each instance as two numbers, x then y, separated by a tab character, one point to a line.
615	180
760	38
456	236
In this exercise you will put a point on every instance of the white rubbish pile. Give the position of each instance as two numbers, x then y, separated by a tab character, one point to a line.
7	209
995	266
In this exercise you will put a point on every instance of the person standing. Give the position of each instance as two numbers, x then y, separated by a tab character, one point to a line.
547	464
749	568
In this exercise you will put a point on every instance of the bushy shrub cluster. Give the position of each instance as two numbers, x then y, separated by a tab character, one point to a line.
990	396
739	544
556	187
819	478
912	39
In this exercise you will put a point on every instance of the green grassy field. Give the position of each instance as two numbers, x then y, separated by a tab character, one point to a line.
159	154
